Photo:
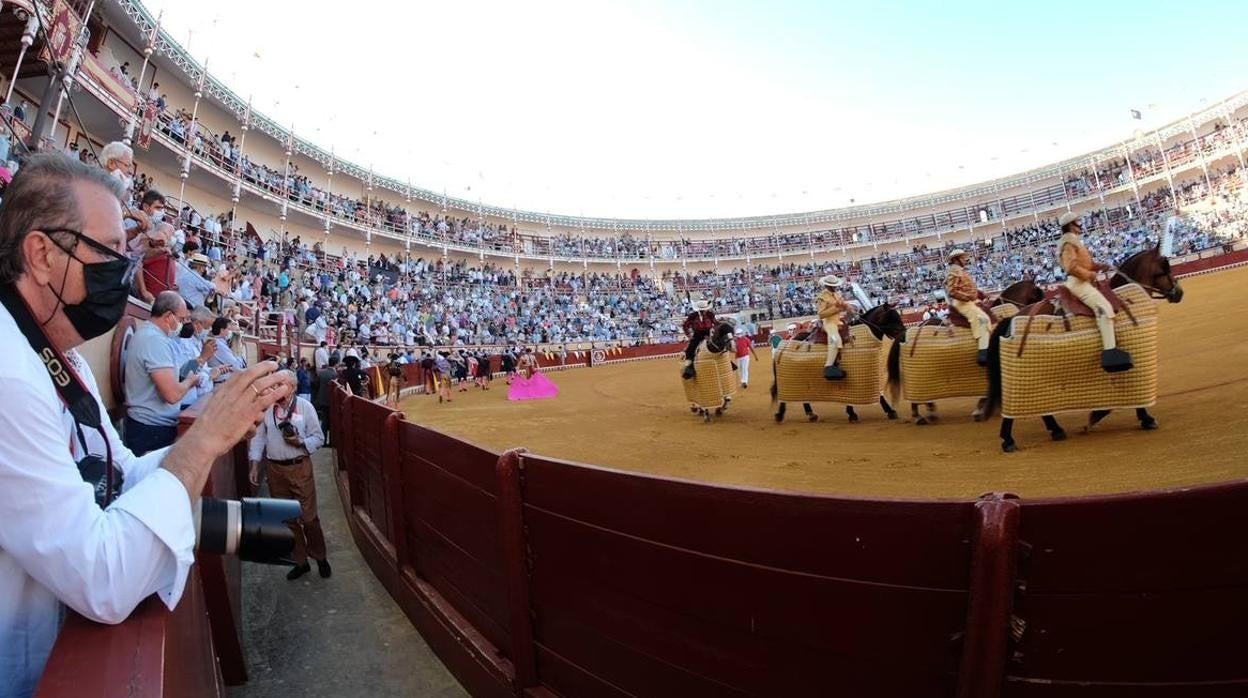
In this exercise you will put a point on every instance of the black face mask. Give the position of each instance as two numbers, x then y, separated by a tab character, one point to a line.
108	289
107	293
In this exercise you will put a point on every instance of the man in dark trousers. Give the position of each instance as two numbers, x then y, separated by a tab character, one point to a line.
698	326
324	388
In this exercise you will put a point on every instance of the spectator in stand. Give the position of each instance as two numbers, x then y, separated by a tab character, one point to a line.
153	392
320	357
224	354
286	437
118	161
303	380
189	355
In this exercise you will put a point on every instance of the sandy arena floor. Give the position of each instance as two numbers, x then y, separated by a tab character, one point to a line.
635	417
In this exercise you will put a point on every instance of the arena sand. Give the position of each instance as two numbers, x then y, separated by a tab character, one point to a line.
634	417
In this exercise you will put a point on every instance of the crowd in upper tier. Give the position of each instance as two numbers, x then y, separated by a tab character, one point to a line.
285	180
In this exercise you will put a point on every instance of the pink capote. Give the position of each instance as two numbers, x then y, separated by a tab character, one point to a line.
539	387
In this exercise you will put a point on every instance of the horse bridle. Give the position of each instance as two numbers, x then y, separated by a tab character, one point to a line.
1152	291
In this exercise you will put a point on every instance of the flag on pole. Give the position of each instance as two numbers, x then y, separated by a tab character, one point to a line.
1135	114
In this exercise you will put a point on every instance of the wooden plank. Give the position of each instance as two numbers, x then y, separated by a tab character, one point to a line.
1171	636
732	624
906	542
1171	540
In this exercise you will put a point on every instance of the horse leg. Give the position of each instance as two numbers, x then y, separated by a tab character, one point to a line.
1056	432
810	413
706	416
1147	421
780	412
853	416
1095	417
931	412
978	414
914	414
1007	435
888	409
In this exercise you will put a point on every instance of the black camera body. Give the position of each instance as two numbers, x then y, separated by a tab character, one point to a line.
288	430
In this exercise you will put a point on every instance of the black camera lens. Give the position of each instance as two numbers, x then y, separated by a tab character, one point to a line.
255	529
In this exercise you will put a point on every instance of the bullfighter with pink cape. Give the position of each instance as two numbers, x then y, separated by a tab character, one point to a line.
529	383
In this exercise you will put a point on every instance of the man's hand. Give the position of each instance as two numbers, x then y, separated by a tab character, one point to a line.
253	474
208	350
234	409
217	372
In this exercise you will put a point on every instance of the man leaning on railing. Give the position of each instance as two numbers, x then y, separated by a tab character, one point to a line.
83	522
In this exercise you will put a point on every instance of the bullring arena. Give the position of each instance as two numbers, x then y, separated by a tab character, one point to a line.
610	540
631	416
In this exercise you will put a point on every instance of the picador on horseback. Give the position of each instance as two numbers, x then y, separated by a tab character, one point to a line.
963	293
830	307
1081	273
698	325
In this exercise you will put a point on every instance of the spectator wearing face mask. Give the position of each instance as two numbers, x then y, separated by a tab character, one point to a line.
153	392
223	355
192	349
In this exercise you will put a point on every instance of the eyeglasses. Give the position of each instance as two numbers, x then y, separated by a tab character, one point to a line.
96	245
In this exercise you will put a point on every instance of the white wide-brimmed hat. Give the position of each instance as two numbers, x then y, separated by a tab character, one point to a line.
701	305
957	253
740	332
1068	217
832	281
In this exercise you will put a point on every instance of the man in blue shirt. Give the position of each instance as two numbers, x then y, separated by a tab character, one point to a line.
153	392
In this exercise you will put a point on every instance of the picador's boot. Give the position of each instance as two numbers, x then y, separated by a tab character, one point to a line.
1116	360
981	357
833	373
689	372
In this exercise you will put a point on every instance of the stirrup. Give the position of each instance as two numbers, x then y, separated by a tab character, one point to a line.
833	373
1115	361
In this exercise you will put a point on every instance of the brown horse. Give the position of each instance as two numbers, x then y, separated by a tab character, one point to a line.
1020	293
1147	268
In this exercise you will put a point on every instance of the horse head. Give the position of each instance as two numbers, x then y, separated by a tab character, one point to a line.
1151	270
721	336
884	320
1021	293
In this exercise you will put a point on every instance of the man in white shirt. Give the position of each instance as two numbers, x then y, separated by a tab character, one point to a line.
320	357
64	279
288	435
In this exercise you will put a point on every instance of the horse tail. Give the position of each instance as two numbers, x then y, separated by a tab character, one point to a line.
994	368
894	372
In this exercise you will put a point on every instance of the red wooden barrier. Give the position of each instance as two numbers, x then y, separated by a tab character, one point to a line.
155	653
1134	590
708	590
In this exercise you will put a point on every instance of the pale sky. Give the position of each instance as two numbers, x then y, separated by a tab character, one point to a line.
711	108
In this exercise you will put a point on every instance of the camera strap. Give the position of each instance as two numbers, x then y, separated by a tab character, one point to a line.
81	404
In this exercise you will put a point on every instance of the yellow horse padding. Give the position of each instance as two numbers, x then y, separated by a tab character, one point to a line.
799	371
715	380
938	362
1060	370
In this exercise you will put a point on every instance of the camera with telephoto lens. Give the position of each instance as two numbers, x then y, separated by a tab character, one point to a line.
255	529
287	429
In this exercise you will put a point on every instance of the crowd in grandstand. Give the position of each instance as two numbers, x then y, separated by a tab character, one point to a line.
287	181
409	300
